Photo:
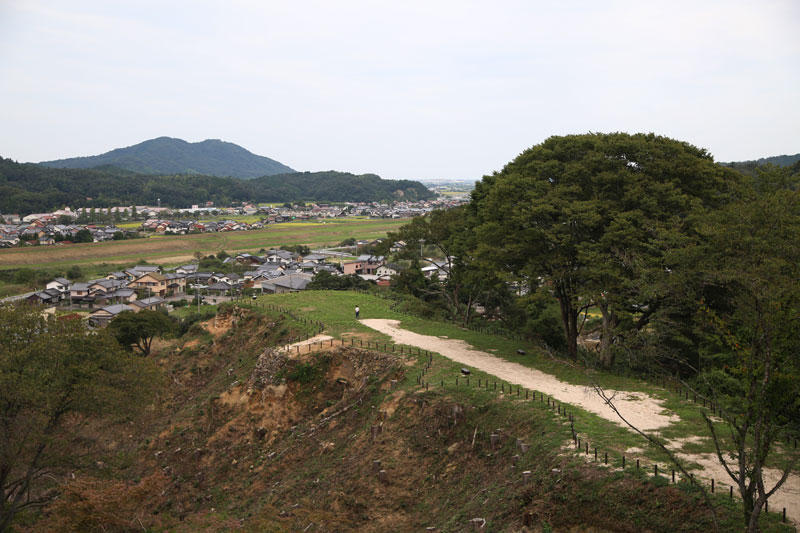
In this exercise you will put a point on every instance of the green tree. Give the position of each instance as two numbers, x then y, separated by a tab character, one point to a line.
84	235
137	330
55	376
326	281
74	273
134	214
590	218
751	315
466	281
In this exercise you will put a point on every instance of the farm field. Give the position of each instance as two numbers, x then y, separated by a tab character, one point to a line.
179	248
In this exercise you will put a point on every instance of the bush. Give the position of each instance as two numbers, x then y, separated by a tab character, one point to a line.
544	320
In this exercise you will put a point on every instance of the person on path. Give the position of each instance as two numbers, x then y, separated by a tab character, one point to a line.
357	311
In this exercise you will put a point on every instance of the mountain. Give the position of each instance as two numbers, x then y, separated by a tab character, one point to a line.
31	188
749	167
166	155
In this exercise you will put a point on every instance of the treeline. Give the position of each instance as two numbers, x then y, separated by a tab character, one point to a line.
30	188
750	167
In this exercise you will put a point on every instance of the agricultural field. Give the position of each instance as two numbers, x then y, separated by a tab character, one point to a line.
164	249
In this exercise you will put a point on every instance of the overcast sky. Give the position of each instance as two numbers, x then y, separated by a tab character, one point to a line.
405	89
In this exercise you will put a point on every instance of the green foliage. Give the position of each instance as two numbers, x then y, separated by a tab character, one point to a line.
189	318
137	330
211	263
543	320
749	319
300	249
307	373
592	215
52	372
326	281
83	235
24	276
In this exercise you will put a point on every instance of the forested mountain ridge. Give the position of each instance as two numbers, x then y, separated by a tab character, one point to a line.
167	155
30	188
749	167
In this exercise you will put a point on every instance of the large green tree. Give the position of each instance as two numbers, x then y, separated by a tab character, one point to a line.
54	376
590	218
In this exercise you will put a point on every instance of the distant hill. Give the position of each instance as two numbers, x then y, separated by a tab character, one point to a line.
166	155
31	188
749	167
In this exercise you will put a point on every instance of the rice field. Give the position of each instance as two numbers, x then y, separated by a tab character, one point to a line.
167	249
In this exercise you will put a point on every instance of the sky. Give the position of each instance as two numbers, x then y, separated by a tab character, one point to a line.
411	89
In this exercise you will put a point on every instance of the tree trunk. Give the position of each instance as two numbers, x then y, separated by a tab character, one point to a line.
569	318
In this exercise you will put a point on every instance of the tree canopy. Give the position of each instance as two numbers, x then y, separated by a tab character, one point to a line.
53	373
591	216
137	330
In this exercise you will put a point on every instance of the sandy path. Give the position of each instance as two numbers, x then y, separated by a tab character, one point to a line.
788	496
312	340
640	409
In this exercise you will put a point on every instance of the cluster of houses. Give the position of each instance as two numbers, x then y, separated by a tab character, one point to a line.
149	287
58	227
182	227
49	233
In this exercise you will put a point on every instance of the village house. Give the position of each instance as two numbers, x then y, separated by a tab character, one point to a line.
363	265
103	316
150	284
288	283
45	297
152	303
388	270
187	269
59	284
78	291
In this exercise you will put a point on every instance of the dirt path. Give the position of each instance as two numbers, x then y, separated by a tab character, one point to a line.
291	348
640	409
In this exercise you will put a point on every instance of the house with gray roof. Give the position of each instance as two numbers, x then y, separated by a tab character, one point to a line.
287	283
103	316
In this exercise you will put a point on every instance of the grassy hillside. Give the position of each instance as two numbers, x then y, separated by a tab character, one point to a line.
340	438
166	155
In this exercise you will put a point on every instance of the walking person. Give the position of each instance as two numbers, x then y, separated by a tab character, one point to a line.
357	311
